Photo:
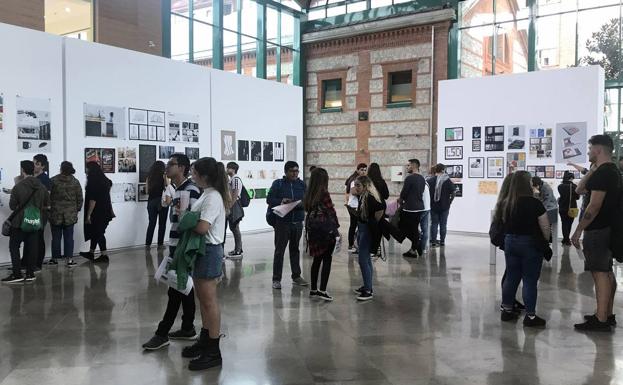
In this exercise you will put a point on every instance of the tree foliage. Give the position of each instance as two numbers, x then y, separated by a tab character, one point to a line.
604	49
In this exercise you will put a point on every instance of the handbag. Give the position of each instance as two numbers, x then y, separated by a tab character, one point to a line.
572	212
7	225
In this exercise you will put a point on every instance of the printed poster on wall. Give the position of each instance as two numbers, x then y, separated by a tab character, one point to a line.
243	150
516	137
515	161
494	138
122	192
541	143
228	142
104	121
291	151
279	151
476	167
488	187
571	142
267	151
146	125
165	152
192	153
146	158
455	172
256	151
34	125
105	157
143	195
126	159
495	167
183	127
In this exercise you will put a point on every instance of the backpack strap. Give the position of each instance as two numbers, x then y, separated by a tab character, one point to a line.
22	206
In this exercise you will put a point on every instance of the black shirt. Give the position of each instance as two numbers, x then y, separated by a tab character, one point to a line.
372	206
568	197
605	178
524	218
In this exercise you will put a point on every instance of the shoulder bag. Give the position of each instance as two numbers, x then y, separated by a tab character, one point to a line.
7	225
572	212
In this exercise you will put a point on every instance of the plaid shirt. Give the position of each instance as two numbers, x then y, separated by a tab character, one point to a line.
320	249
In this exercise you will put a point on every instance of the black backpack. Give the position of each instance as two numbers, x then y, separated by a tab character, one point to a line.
320	227
616	229
245	199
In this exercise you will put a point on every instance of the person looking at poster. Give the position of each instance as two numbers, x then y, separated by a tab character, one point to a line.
98	211
41	173
156	211
568	205
442	194
236	212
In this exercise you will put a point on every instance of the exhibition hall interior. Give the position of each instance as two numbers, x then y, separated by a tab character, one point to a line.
311	192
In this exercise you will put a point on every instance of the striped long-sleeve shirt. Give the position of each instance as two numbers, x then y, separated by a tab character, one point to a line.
195	193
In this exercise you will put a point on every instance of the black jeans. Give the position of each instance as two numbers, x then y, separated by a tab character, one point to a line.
567	222
352	229
325	260
100	240
177	299
409	225
30	241
286	232
159	214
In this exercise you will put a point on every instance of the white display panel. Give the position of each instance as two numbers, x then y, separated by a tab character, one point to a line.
256	111
562	107
31	65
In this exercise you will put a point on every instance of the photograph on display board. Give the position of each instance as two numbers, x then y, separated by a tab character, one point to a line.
183	127
267	150
165	152
494	138
1	112
228	142
134	132
126	159
192	153
476	132
152	133
256	151
561	173
143	194
155	118
546	172
495	167
279	151
458	190
137	116
454	171
476	167
123	192
161	135
291	151
515	161
541	143
476	145
488	187
454	134
143	132
104	121
516	137
105	157
146	158
243	150
454	152
33	125
571	142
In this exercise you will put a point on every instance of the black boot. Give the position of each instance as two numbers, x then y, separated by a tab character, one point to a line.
210	357
195	350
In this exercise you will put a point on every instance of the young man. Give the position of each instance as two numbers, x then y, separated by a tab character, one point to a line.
41	173
289	229
178	169
28	191
412	203
237	213
352	203
602	186
441	194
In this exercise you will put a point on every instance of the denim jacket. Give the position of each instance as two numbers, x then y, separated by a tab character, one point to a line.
285	189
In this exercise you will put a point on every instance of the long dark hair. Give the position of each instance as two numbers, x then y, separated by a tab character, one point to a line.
216	177
155	178
318	186
374	173
503	195
520	186
96	177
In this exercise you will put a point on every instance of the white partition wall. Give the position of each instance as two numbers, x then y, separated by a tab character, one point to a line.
547	116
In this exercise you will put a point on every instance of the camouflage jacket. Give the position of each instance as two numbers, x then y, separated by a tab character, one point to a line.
66	200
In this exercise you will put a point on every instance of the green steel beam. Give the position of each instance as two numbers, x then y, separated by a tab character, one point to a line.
278	50
217	34
297	66
260	63
191	32
454	47
166	28
239	37
532	59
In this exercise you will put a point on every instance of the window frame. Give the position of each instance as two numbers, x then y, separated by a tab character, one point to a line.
402	66
323	77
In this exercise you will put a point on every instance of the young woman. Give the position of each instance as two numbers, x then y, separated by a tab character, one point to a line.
369	213
526	226
352	202
157	212
65	203
98	211
209	175
374	173
568	200
320	209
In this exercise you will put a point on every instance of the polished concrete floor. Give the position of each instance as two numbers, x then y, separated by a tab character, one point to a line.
432	321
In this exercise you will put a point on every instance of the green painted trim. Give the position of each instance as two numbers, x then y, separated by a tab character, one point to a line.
454	49
298	67
191	32
399	105
260	61
280	7
217	34
278	51
330	110
532	60
239	37
166	28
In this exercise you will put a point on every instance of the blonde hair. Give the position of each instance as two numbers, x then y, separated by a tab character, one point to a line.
369	189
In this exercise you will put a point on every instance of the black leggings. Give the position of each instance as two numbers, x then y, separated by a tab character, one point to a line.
567	223
326	271
351	230
98	240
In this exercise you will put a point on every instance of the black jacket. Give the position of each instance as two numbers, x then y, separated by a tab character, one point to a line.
567	194
447	194
411	194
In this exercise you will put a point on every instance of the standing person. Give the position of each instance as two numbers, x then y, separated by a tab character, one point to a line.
65	203
41	173
568	200
322	230
237	212
352	202
98	211
602	184
211	177
156	211
369	213
526	225
412	205
425	217
28	192
545	194
442	194
289	229
178	169
374	173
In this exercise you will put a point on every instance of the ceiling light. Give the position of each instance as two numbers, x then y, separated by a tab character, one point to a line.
67	9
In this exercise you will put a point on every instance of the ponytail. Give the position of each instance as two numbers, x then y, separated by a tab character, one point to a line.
216	177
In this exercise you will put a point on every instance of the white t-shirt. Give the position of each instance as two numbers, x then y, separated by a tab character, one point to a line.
169	192
353	200
210	205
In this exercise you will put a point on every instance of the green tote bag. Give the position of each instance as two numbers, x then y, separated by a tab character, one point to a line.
32	219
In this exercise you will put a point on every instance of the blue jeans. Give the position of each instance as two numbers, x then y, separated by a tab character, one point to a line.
439	219
424	226
66	233
365	262
523	263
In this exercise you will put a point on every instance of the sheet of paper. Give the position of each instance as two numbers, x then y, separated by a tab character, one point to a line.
283	210
164	275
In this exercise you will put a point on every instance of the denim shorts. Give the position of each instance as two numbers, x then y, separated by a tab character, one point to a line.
210	265
596	247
